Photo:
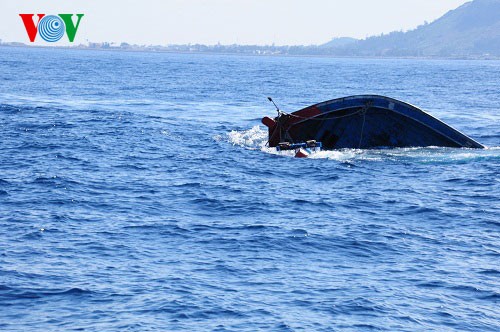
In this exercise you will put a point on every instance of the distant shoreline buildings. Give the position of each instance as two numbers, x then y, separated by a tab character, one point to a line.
255	50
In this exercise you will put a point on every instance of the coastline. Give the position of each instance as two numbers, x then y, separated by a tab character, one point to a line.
254	52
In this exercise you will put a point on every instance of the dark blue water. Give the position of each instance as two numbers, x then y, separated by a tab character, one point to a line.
136	194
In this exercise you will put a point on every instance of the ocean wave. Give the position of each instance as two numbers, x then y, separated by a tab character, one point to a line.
12	293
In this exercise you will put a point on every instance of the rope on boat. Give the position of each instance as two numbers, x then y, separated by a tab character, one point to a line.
317	117
362	128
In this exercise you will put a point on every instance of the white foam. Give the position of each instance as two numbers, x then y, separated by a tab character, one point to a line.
256	139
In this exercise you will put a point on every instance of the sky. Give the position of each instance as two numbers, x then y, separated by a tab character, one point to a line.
282	22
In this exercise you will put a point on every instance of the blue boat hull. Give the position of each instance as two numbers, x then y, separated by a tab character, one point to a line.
365	121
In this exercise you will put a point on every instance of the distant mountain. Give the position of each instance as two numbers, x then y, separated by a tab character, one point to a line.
471	31
339	42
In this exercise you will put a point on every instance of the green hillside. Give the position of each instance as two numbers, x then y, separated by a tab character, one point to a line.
472	30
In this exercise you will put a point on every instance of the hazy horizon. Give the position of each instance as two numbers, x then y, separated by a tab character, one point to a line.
244	22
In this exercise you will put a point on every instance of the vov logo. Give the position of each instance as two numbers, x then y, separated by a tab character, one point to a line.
51	27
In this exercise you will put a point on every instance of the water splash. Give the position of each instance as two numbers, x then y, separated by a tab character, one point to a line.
256	139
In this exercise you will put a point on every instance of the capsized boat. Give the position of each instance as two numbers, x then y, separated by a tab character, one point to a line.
363	122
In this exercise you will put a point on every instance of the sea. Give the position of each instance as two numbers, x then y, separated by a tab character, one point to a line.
137	194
